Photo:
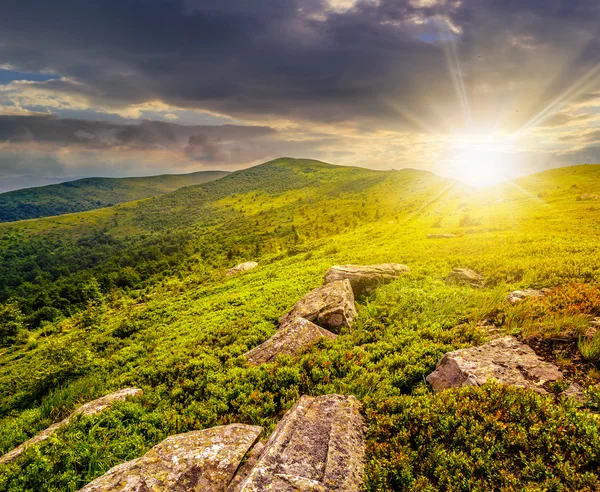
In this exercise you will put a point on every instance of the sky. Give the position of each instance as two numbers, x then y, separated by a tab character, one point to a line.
478	90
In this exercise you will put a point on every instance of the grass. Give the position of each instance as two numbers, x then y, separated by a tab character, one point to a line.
179	332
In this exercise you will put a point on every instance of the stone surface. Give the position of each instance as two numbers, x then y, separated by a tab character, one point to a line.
576	392
92	408
294	337
365	278
465	276
199	461
505	359
330	306
441	236
241	268
519	295
244	471
317	446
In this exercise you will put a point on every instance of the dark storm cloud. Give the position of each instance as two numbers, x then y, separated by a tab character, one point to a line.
99	134
294	58
406	67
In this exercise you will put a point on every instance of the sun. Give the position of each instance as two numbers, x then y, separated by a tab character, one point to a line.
479	160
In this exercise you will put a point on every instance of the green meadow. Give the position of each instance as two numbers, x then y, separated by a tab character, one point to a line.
135	295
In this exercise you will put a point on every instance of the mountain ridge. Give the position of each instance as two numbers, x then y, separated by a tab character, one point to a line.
92	193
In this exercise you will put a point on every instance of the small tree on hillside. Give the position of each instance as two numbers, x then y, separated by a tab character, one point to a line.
12	321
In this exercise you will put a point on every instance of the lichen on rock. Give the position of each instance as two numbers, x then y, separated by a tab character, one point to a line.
199	461
330	306
365	278
295	336
317	446
505	360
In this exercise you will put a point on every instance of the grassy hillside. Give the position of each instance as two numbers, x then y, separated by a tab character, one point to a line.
136	295
92	193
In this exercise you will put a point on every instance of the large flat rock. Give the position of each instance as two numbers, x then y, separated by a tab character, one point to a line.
294	337
317	446
92	408
505	359
365	278
199	461
330	306
241	268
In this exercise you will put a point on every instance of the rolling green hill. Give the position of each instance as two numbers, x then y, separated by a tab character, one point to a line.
92	193
136	295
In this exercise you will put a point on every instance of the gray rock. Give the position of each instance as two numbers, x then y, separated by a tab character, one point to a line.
241	268
317	446
365	278
505	359
292	338
92	408
330	306
244	471
465	276
201	461
441	236
576	392
520	295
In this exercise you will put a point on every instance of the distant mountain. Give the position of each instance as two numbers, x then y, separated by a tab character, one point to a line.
92	193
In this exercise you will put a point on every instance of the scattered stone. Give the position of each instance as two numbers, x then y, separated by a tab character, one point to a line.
241	268
520	295
92	408
505	359
294	337
330	306
441	236
365	278
203	460
576	392
465	276
589	196
317	446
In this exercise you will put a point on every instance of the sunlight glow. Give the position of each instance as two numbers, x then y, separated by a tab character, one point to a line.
480	160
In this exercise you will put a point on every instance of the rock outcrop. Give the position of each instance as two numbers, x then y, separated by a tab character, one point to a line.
241	268
441	236
505	359
365	278
295	336
203	460
330	306
465	276
92	408
520	295
317	446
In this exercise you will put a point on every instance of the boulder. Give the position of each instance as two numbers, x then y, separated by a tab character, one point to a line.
365	278
94	407
465	276
506	360
317	446
576	392
241	268
202	461
441	236
330	306
520	295
294	337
